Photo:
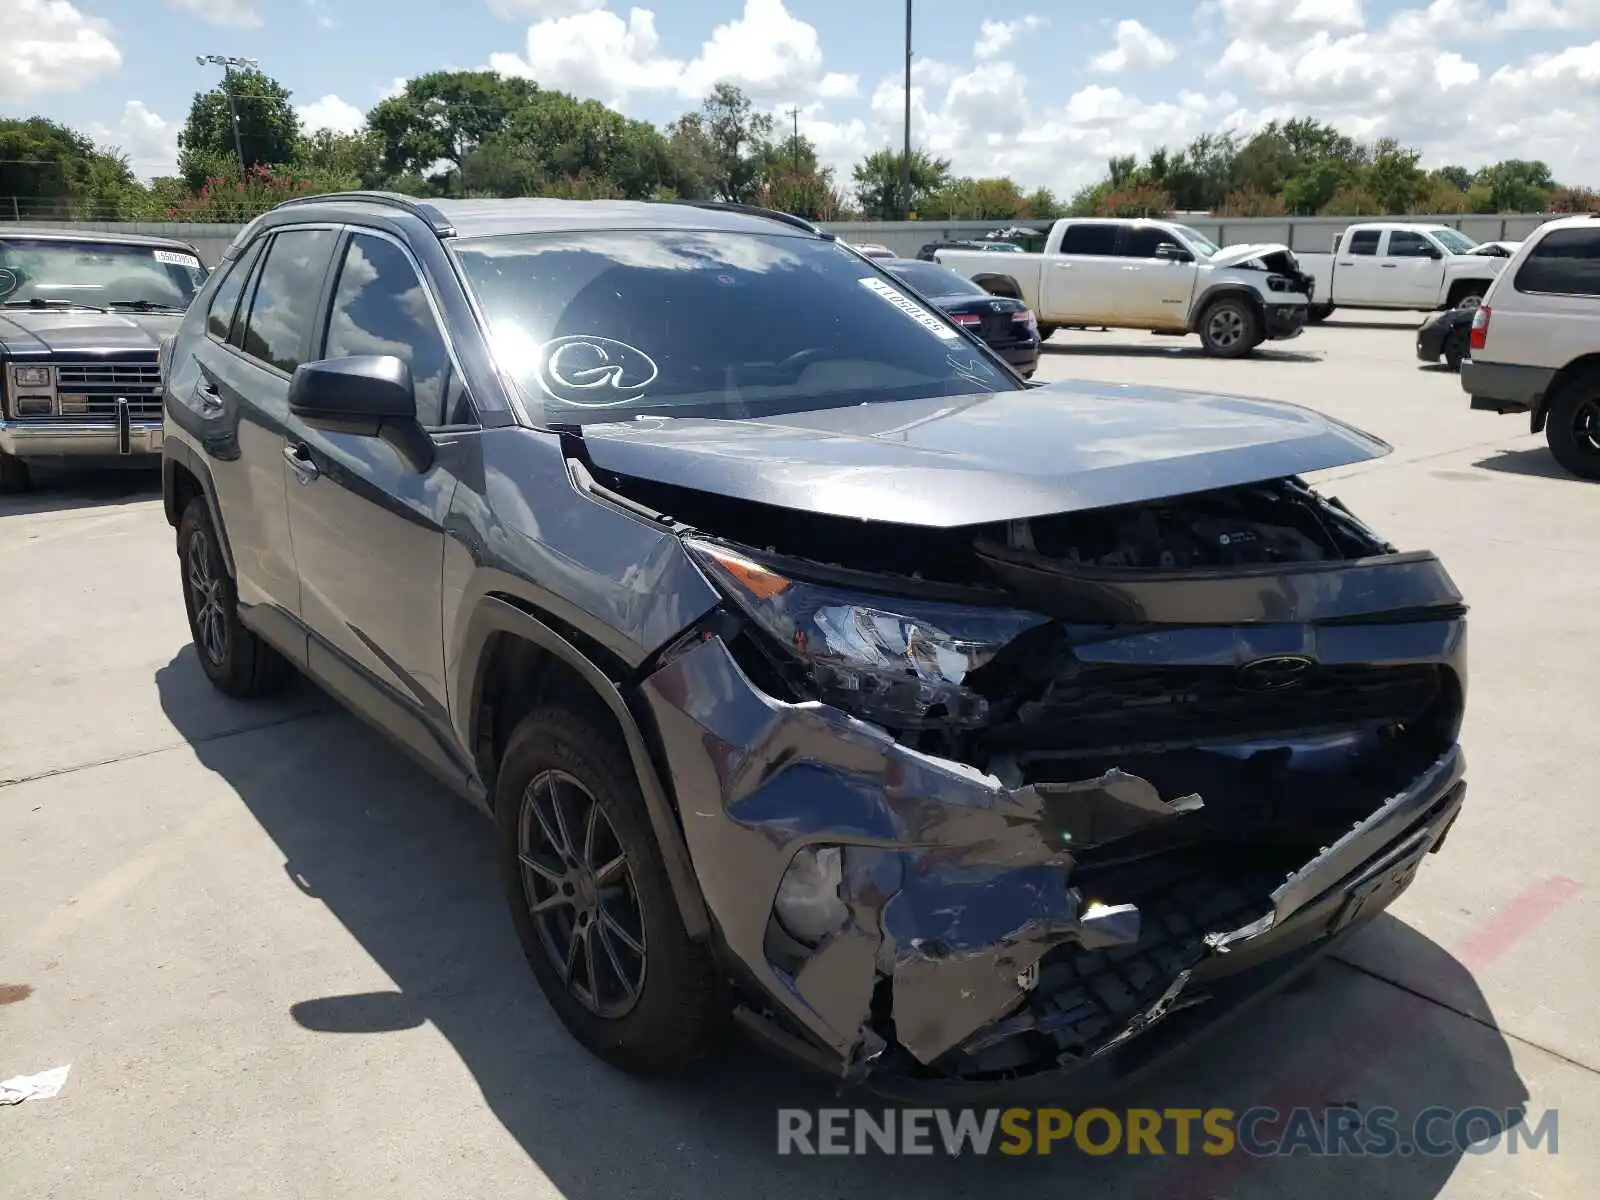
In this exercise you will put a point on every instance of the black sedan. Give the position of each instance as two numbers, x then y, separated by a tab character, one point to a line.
1005	324
1446	334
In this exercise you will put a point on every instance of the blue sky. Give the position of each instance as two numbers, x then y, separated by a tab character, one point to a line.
1037	93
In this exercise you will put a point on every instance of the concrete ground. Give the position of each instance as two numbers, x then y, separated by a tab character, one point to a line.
277	961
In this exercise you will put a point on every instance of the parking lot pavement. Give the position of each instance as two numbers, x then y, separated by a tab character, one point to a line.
277	960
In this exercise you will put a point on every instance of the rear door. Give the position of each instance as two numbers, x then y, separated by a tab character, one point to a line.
1411	269
1084	282
257	331
1548	312
368	526
1157	289
1357	278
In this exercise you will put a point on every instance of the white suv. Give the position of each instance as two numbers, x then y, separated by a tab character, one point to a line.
1536	341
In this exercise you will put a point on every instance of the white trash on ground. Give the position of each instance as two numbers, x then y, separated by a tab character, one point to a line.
46	1085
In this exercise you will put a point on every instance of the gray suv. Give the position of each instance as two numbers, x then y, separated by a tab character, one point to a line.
820	675
82	318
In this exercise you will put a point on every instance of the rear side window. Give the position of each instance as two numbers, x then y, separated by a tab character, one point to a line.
380	307
1364	241
1089	237
1565	262
226	298
283	308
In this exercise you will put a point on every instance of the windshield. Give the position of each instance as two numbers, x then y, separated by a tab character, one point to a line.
933	280
57	272
608	325
1202	246
1454	240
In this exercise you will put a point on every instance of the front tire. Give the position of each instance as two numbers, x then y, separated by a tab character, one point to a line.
236	660
1229	328
14	475
1572	426
590	900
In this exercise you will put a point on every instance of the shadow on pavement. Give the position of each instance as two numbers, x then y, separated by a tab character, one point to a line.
59	491
1537	461
1401	326
1123	350
409	871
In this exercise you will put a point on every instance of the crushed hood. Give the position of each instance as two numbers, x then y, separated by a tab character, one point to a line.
1232	256
951	461
77	331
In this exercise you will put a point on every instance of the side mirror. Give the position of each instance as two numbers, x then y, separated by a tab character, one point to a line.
1435	253
1173	252
369	395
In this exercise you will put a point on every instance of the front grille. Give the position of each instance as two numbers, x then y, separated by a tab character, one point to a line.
1106	708
102	382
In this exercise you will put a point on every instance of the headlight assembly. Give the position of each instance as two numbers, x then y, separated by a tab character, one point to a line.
32	376
900	662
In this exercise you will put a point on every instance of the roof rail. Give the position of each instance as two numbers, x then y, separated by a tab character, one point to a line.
437	221
755	210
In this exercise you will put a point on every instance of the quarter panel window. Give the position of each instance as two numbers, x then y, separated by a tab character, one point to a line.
283	310
380	307
1565	262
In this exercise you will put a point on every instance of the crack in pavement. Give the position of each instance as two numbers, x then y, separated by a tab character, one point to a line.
132	755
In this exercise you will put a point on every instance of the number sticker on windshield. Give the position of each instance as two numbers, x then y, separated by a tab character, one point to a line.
173	259
595	372
911	309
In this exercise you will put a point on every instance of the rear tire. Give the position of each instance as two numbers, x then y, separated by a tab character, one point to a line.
235	659
1318	313
1572	425
1456	346
1229	328
1046	332
649	1008
14	475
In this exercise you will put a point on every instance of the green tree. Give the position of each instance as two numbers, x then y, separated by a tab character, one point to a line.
268	126
975	200
1311	188
1395	179
1517	185
1041	205
50	171
445	116
876	180
354	157
736	140
1135	200
1353	201
1459	177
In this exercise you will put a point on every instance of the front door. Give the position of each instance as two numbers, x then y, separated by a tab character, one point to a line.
1156	290
1412	268
367	523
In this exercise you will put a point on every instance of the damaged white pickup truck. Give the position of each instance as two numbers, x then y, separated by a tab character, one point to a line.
1156	275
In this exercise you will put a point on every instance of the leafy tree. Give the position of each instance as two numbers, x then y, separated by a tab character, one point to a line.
736	138
1459	177
356	157
554	137
974	199
1136	200
1439	194
877	181
1394	178
1252	201
1353	200
1041	205
50	171
1311	188
1087	199
1516	185
445	116
268	126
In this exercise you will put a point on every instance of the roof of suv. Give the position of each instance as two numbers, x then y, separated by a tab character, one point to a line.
481	218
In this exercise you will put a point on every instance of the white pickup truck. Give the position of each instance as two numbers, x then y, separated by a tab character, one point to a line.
1397	265
1157	275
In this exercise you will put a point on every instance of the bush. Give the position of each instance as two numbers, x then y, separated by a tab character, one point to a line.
1136	200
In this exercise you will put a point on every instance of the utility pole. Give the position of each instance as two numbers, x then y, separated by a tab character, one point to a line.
228	62
905	161
794	114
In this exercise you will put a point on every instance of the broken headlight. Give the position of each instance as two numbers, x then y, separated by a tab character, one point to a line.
898	661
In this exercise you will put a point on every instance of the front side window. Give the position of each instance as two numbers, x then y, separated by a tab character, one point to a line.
379	307
62	272
609	325
283	308
225	300
1142	241
1403	243
933	280
1565	262
1202	246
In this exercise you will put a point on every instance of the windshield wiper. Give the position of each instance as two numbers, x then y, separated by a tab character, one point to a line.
41	302
146	306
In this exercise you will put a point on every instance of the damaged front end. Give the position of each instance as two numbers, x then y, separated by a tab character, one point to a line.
974	805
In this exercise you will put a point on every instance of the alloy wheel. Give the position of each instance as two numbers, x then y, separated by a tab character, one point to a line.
205	595
1470	302
1586	425
581	894
1225	328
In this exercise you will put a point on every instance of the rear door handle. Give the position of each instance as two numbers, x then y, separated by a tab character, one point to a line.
1389	266
1061	266
1126	268
298	456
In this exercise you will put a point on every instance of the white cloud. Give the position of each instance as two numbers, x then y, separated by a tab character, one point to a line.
1137	49
331	112
836	86
50	46
595	54
150	142
238	14
540	10
765	50
995	37
323	18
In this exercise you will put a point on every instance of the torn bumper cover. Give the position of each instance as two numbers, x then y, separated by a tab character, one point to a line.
987	933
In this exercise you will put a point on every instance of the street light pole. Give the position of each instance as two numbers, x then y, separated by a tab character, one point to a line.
228	62
905	161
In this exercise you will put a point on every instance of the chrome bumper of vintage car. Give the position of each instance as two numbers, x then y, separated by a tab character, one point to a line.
121	437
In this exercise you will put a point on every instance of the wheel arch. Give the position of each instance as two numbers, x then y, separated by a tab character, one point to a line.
184	476
1223	291
1541	407
1465	287
515	658
998	284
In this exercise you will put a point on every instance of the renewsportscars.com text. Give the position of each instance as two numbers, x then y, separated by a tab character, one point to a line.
1260	1132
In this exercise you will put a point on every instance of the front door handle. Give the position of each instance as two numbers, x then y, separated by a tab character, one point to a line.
298	456
1130	268
206	394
